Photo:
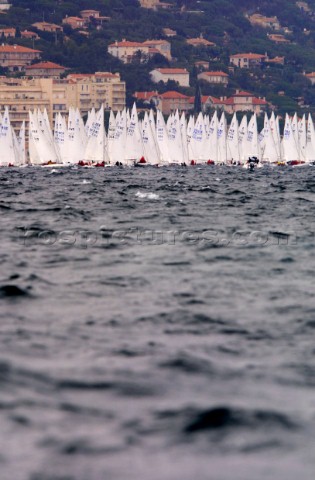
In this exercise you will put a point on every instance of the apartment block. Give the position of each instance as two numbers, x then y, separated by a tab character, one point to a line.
78	90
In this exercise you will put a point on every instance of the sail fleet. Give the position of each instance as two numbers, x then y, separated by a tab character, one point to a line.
152	140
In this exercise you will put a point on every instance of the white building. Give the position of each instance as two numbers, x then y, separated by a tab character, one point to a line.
220	78
153	4
4	5
126	51
180	75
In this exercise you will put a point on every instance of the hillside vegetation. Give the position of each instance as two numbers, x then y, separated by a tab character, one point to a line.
224	22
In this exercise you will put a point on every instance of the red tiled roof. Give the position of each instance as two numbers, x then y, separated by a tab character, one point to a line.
17	48
205	98
248	55
278	38
215	74
259	101
45	24
275	60
243	94
199	41
145	95
125	43
172	70
215	100
27	33
73	19
310	75
172	94
46	65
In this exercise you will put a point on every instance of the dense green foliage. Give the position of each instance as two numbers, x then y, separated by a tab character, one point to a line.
223	22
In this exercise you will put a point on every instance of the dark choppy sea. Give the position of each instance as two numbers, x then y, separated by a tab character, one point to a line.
157	324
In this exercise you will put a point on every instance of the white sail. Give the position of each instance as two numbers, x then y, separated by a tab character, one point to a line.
119	140
294	127
302	138
289	147
34	141
175	140
151	120
189	130
269	153
221	135
89	121
242	139
197	144
275	131
76	138
134	146
162	139
21	145
50	152
111	134
212	139
95	150
183	131
310	140
252	147
169	122
151	152
233	152
61	137
7	146
47	136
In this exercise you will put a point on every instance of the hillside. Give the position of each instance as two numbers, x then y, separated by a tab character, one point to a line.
226	23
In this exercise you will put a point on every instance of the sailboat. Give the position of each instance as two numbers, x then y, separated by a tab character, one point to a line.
95	150
242	137
175	141
252	146
212	140
76	138
8	142
269	152
151	152
221	136
233	152
134	151
162	139
119	140
290	152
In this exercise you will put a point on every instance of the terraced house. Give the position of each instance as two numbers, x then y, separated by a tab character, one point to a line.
16	57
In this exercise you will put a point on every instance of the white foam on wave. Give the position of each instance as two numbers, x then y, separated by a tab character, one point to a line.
149	195
86	182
